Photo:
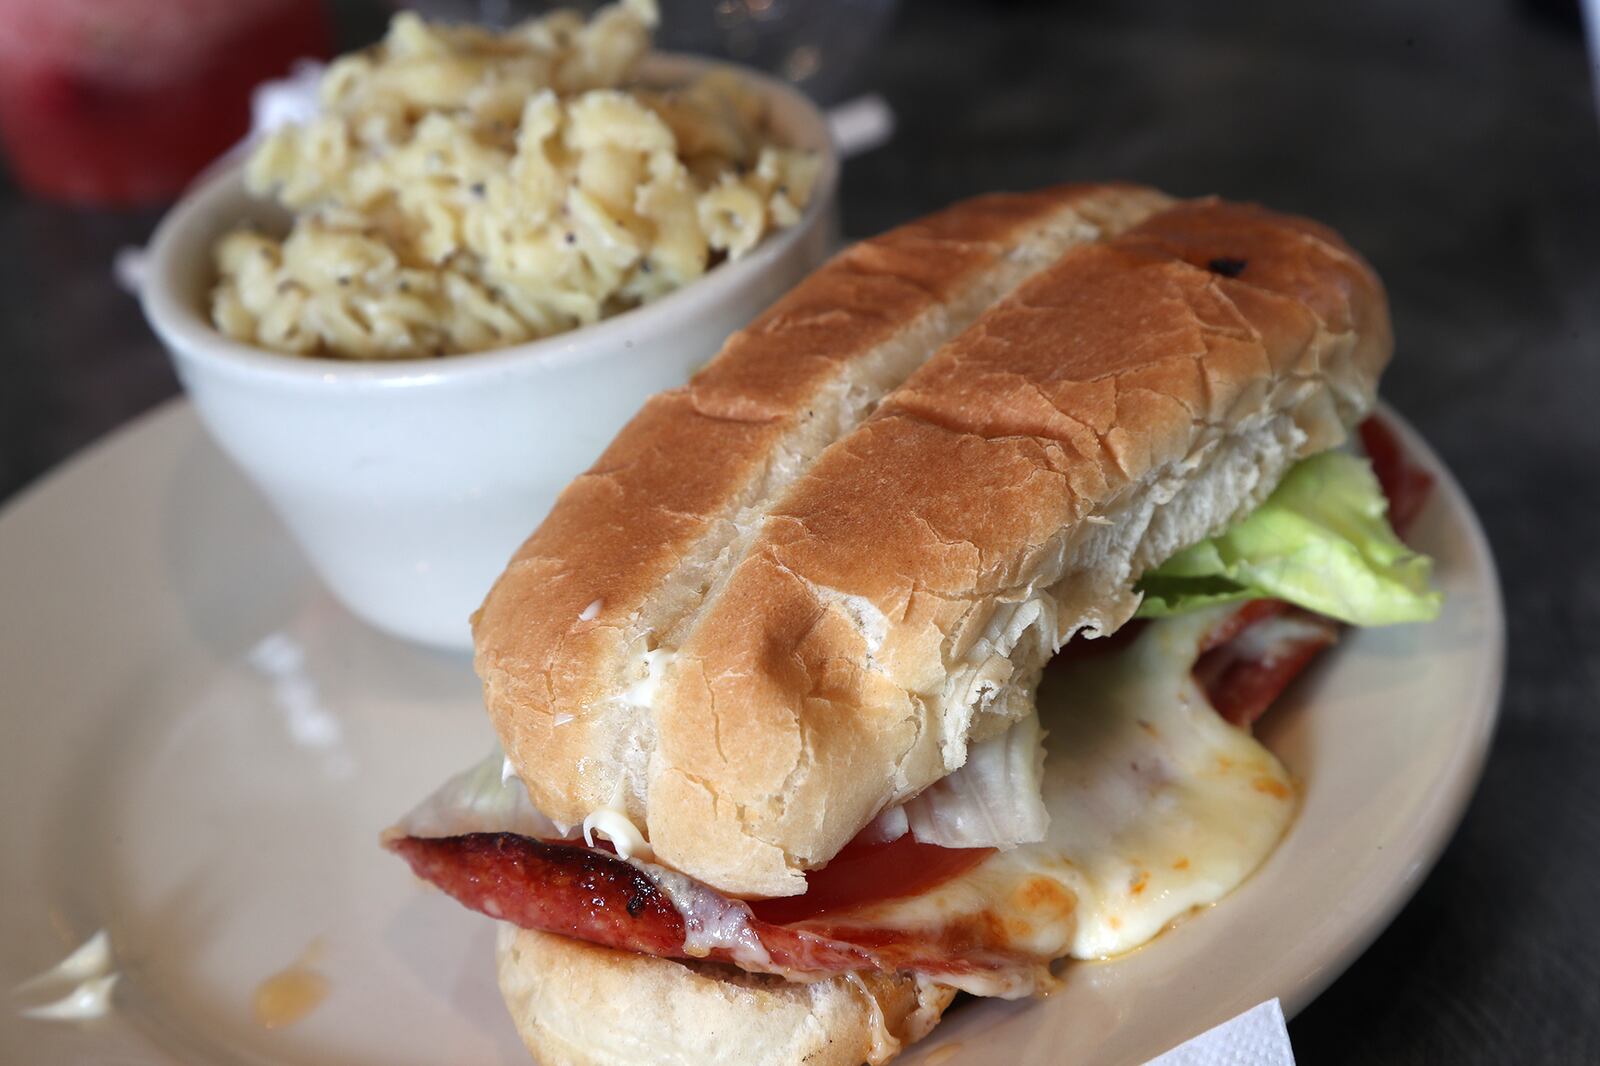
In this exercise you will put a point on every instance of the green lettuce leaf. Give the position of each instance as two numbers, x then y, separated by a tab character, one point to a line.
1321	540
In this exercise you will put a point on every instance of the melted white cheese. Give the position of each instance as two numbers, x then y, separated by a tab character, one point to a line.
884	1046
1162	806
1157	806
710	920
929	1009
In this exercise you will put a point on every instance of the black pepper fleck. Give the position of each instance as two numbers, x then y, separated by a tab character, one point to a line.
1226	266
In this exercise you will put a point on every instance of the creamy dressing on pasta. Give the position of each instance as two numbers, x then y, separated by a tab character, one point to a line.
463	190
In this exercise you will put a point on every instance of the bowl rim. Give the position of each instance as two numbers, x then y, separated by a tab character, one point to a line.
189	335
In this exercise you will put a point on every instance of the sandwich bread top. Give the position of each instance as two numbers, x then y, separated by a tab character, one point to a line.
793	591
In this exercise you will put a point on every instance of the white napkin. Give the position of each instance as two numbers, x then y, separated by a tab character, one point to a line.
1258	1037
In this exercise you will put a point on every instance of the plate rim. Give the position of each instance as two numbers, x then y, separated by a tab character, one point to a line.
49	480
1469	767
1460	776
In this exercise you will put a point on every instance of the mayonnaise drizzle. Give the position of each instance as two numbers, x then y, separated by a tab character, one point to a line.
615	826
613	823
642	693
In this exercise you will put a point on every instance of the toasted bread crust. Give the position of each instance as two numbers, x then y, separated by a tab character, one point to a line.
896	592
576	1004
627	553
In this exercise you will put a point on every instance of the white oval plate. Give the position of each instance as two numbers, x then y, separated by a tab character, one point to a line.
198	749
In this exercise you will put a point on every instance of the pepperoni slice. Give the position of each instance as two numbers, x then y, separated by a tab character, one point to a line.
595	896
1255	653
1248	660
1406	484
532	885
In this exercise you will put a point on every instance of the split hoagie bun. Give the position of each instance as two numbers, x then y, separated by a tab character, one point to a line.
577	1004
792	592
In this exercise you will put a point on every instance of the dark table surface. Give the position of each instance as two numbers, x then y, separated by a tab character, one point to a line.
1454	143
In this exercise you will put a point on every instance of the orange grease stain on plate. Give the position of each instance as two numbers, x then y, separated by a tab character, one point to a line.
291	993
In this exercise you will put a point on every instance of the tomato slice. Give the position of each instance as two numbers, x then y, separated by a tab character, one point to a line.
867	871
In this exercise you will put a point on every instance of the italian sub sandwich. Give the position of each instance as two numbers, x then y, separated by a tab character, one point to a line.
774	783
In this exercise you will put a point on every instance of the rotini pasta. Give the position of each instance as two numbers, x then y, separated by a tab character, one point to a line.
464	190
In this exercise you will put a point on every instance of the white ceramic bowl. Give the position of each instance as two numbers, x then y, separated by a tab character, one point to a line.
410	483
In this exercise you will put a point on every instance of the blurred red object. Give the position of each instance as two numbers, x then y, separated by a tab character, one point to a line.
119	102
